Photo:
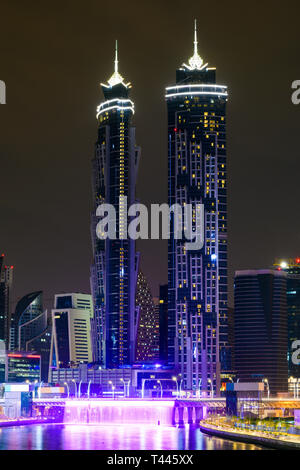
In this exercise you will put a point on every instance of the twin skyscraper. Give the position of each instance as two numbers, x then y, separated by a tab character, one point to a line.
197	279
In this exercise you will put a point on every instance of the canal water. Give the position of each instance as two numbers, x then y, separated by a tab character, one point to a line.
97	437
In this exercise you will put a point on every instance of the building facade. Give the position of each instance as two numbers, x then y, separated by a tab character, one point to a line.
6	279
147	334
22	366
28	320
292	268
260	338
163	324
197	279
114	270
71	330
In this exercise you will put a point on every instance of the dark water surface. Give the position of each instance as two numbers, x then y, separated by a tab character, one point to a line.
95	437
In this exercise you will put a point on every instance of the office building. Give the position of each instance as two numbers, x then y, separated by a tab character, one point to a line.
22	366
197	279
292	268
28	320
71	330
260	337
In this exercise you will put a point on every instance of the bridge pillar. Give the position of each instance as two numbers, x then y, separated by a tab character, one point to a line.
199	414
190	414
180	413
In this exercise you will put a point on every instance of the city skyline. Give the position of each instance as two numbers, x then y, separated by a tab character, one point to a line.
254	242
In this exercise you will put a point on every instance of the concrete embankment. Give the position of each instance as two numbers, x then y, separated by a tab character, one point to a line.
270	442
26	422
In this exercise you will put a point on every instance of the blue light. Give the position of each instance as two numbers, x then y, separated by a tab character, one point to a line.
213	257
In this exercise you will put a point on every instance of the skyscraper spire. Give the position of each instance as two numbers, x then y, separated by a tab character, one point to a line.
116	78
195	39
195	62
116	57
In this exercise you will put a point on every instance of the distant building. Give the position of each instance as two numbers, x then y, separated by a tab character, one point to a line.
147	348
22	366
2	361
292	268
41	344
28	320
71	330
163	324
261	328
136	381
6	278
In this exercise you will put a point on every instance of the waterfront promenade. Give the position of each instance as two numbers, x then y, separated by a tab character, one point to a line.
225	428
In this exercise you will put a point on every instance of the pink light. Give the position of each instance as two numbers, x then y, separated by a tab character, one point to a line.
121	403
119	412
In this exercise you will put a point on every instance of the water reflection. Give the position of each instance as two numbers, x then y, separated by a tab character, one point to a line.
95	437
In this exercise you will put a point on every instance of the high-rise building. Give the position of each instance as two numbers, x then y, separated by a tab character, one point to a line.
163	323
147	334
114	270
292	268
6	277
260	315
197	295
71	330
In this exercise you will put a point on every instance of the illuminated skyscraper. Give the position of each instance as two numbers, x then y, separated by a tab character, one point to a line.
197	294
6	277
114	271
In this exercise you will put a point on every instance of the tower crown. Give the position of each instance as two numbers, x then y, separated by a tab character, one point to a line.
116	78
195	62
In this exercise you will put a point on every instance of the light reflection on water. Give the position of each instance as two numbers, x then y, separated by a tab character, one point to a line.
95	437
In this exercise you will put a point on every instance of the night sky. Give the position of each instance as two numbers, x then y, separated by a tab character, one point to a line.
53	55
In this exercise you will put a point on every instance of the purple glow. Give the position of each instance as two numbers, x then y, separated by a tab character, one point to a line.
146	412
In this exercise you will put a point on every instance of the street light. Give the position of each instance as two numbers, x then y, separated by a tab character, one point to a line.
39	389
175	380
200	383
79	389
34	394
126	386
65	383
211	387
265	380
88	390
124	392
113	388
161	389
74	381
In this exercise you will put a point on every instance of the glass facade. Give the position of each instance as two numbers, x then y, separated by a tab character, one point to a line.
22	367
197	279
